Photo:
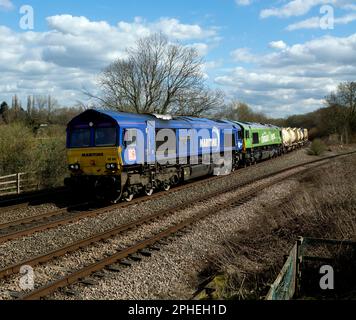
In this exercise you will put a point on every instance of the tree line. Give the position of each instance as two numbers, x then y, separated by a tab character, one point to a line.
157	76
40	109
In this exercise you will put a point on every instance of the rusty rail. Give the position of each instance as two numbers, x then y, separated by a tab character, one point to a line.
88	270
84	214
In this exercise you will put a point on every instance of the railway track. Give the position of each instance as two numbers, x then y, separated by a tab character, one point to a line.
27	226
136	248
25	200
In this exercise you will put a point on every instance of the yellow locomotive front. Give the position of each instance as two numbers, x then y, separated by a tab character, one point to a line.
94	156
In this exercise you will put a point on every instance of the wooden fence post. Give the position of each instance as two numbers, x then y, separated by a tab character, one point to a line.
18	183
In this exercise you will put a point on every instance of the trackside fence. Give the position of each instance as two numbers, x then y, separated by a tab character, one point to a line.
18	183
292	281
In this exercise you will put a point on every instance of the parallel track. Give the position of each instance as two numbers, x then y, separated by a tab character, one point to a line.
25	200
26	226
87	271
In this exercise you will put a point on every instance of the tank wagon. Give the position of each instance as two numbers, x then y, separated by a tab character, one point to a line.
294	138
116	155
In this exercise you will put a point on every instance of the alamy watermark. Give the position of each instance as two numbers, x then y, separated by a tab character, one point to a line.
27	20
27	281
327	21
327	280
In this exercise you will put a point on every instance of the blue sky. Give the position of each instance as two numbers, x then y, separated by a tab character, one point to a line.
275	55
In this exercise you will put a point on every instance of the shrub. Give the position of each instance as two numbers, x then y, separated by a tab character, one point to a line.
317	148
50	164
17	146
43	153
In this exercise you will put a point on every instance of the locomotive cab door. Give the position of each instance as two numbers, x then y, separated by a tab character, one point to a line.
151	142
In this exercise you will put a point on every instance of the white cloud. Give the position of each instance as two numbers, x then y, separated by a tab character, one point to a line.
314	22
69	56
346	19
349	7
243	2
296	8
294	79
280	45
202	48
243	55
6	5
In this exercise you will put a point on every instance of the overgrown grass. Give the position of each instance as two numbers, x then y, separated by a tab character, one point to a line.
323	207
317	148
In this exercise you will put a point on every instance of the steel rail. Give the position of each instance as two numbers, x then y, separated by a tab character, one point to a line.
86	214
24	200
88	270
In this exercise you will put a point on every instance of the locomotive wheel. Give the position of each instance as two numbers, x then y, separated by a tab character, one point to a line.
129	198
166	187
149	192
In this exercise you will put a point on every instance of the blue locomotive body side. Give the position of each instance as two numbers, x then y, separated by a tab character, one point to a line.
190	134
128	152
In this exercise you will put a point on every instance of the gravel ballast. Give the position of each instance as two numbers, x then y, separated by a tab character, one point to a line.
223	222
73	261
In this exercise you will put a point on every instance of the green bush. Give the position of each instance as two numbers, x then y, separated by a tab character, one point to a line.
317	148
17	145
50	164
43	153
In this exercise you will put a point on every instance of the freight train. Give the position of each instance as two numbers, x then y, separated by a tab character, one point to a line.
117	155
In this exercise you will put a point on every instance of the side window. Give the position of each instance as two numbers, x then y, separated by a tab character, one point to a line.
247	134
239	134
255	138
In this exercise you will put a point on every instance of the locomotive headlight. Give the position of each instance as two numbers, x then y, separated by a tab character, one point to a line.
111	166
74	167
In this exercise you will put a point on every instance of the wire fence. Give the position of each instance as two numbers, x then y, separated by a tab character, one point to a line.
292	279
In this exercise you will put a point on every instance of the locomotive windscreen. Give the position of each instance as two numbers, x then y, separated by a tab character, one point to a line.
105	137
80	138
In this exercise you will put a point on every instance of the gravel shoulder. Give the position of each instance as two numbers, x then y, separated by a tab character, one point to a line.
171	272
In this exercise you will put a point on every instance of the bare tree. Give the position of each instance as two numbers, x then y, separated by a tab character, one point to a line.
158	77
345	98
240	111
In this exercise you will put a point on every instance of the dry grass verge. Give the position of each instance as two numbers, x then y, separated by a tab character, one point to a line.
323	207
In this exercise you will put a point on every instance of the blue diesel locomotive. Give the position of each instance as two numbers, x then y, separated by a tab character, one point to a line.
118	155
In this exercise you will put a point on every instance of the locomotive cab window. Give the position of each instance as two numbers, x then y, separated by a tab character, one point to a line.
247	134
239	135
255	138
79	138
105	137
